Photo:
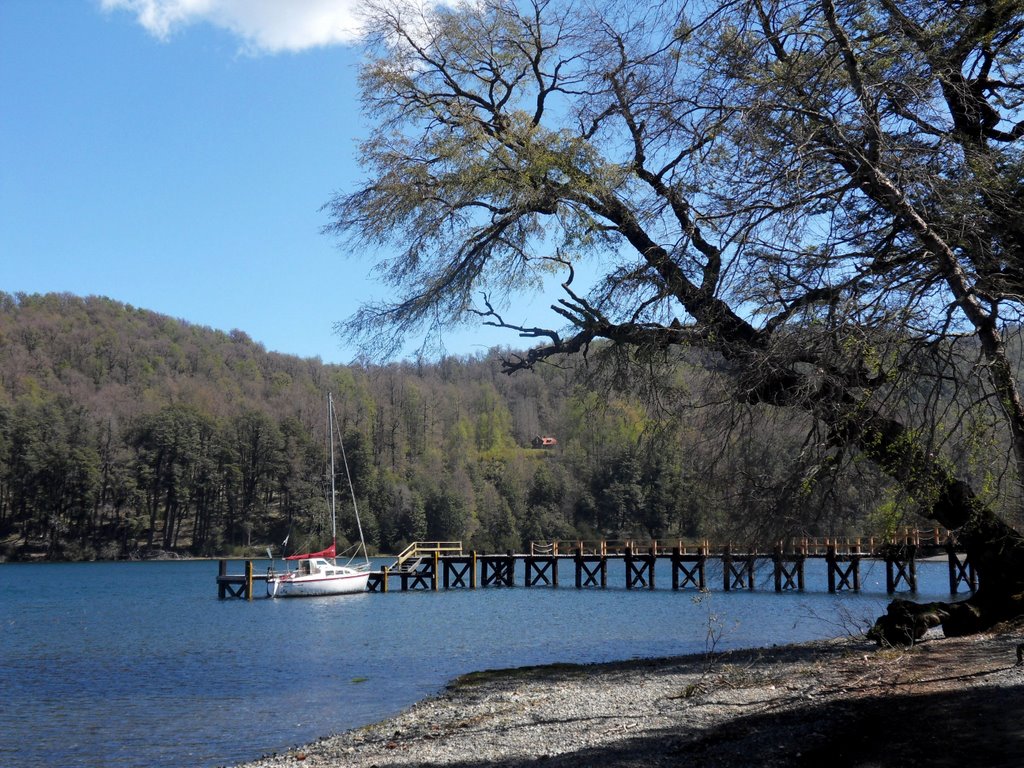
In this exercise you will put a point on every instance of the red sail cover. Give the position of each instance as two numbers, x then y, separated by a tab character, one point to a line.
330	553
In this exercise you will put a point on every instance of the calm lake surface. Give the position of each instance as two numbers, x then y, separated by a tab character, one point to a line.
139	664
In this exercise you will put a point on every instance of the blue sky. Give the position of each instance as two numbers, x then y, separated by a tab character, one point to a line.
175	154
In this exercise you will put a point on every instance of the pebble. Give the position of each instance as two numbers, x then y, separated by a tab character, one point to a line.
636	713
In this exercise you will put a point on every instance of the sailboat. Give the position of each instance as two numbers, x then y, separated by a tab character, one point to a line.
319	573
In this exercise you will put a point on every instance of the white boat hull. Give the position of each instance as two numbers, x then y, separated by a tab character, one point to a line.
335	581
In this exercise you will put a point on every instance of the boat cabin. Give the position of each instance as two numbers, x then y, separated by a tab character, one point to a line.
316	565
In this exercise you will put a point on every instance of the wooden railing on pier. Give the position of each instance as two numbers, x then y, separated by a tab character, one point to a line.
811	546
420	549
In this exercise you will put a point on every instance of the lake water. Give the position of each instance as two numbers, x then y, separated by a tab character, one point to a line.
139	664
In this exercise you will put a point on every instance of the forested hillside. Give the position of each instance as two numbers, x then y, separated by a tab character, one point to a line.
124	433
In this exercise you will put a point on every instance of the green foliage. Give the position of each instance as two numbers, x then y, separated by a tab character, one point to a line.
887	518
123	433
446	515
823	198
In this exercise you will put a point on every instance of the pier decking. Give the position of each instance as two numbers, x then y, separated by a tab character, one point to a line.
438	565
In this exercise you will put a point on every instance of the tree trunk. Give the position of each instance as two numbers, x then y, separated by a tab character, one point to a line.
994	548
997	552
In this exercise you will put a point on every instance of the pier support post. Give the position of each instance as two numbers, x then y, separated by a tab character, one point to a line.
789	571
422	577
378	582
222	572
497	570
726	567
590	571
541	569
737	576
960	571
457	573
688	570
900	566
639	569
855	564
234	585
842	577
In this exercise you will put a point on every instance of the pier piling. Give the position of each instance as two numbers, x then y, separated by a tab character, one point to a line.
591	570
960	571
788	570
737	570
541	569
900	567
688	570
843	570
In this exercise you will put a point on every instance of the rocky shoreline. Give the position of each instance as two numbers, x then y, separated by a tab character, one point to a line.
944	702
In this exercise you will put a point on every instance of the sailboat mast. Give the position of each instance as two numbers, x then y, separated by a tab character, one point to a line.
330	443
355	504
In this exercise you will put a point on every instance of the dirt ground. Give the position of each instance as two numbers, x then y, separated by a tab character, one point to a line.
956	702
943	703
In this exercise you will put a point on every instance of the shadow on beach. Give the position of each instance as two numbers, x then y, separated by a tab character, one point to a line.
957	728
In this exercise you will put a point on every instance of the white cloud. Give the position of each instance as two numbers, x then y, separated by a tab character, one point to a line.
268	26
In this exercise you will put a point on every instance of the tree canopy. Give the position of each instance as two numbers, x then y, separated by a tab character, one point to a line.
825	195
124	433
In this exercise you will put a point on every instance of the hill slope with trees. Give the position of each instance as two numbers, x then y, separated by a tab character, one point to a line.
125	433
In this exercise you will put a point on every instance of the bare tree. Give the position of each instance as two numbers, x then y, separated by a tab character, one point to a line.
825	195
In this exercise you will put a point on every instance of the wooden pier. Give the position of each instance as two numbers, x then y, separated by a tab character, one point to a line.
437	565
237	585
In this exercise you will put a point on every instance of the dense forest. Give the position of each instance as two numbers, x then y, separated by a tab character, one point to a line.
125	433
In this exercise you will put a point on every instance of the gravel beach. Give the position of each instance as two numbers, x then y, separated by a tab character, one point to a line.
944	702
